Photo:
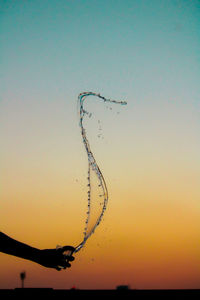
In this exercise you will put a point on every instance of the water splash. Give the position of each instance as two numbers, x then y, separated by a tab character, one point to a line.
93	168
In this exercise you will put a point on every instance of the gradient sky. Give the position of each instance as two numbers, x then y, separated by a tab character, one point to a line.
144	52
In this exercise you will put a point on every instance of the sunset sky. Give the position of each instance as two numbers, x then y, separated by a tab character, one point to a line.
144	52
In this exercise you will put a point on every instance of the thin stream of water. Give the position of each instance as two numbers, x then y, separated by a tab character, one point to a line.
93	167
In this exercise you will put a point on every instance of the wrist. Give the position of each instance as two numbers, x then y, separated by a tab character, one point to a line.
34	254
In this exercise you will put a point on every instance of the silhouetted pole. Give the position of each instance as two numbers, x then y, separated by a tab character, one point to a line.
22	276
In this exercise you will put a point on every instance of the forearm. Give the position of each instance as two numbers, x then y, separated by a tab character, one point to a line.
13	247
51	258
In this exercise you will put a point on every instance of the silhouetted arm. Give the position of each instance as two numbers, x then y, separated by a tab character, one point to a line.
13	247
51	258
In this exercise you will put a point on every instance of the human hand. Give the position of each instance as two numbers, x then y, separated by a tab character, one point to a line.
56	258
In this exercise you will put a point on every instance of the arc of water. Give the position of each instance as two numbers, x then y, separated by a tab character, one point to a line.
92	166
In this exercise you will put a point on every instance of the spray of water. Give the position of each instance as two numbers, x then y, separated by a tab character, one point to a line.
93	168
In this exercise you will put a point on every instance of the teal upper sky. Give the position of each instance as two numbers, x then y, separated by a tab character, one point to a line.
126	48
144	52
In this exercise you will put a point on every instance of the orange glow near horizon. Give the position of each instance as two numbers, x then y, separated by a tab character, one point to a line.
141	245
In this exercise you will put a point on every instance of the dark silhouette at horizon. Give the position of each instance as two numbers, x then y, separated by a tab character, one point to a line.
22	277
26	292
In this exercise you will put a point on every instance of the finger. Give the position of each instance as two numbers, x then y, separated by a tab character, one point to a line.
67	253
70	258
65	265
66	248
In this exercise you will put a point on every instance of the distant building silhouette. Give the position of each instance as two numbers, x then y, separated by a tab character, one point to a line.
23	276
122	287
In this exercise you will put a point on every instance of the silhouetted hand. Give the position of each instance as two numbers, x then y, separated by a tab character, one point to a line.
55	258
51	258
